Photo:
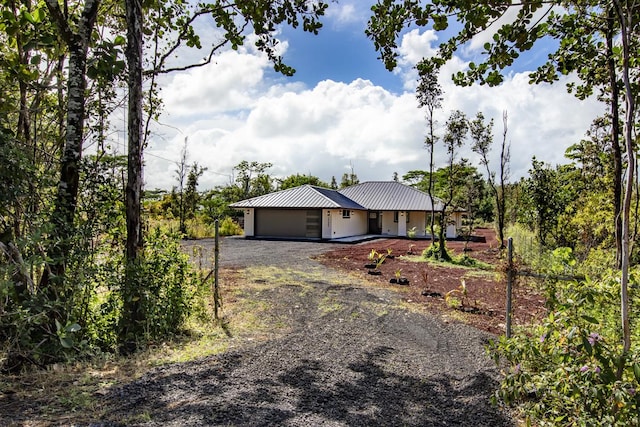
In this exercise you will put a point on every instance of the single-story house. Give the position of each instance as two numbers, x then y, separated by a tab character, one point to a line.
386	208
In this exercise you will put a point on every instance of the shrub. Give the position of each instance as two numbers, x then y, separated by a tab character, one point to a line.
433	251
568	370
228	227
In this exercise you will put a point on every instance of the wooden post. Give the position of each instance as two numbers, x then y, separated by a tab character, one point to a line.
509	284
216	294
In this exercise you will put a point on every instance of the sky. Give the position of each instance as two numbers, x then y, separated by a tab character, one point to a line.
344	111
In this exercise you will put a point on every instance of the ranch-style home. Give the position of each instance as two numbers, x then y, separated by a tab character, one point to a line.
385	208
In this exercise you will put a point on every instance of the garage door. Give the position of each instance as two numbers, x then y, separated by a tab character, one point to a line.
289	223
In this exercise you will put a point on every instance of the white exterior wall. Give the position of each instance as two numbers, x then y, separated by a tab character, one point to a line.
402	223
335	226
249	222
418	220
455	223
388	226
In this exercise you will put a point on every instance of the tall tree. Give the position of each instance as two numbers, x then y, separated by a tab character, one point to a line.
181	176
457	128
429	93
77	38
482	136
349	179
191	195
133	292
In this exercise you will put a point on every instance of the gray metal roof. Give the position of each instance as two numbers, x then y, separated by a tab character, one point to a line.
389	196
303	197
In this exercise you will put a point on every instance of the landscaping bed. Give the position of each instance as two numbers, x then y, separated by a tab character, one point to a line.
484	305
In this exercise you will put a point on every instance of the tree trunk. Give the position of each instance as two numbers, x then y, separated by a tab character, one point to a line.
135	142
615	138
132	314
625	19
67	191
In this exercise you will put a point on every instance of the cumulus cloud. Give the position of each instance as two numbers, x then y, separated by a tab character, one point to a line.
235	109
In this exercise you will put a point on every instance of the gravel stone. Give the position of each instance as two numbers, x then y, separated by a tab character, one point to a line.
366	361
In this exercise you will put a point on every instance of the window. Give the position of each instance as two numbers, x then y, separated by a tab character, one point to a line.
346	213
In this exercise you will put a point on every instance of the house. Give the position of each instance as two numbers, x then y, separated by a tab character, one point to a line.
385	208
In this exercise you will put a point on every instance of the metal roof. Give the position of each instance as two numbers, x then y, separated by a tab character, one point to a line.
390	196
303	197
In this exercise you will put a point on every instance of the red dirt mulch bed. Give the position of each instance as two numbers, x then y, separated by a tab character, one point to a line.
429	282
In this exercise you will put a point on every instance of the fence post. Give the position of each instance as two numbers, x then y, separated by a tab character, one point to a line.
509	284
216	294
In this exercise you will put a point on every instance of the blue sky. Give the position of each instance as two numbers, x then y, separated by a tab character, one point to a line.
343	109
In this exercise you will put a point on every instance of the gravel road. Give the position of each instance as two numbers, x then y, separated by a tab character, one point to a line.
351	355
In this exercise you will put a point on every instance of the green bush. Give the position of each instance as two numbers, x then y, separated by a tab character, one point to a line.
433	252
568	371
228	227
169	286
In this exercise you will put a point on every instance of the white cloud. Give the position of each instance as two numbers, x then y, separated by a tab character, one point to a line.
233	111
348	12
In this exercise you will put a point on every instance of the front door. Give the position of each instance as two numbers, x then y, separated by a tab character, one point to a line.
375	226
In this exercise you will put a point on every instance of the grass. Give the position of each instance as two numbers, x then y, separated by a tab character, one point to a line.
461	261
73	393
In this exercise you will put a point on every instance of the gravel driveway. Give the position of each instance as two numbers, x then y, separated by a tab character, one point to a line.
351	355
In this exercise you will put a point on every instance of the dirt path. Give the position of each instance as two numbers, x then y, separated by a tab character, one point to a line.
342	353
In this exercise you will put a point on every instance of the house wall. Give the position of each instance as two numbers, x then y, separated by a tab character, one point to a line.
418	220
335	226
388	226
249	223
455	220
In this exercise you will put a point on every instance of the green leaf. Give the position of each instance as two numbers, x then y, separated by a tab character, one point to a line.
73	327
636	371
38	15
591	319
119	41
66	342
29	17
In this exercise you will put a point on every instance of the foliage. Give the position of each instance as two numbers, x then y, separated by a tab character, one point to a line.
298	180
228	227
457	298
568	371
435	252
167	287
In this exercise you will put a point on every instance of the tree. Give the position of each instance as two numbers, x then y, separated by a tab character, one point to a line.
191	195
334	183
482	137
298	180
457	128
429	95
253	179
77	39
349	179
543	191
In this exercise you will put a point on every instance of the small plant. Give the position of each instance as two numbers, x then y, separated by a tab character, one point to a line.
411	233
380	261
398	273
377	259
424	275
456	298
